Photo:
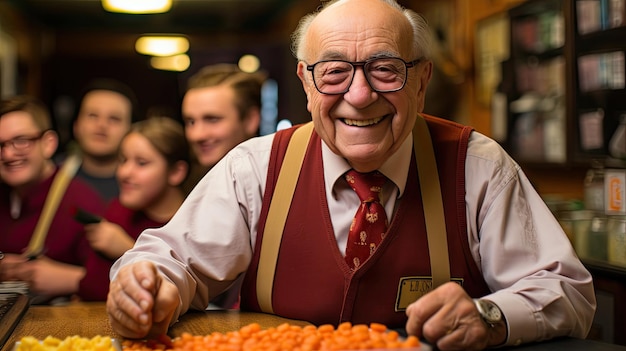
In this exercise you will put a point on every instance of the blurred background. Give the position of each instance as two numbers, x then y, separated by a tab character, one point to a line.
52	48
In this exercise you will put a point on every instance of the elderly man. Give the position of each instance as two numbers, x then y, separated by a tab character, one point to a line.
451	240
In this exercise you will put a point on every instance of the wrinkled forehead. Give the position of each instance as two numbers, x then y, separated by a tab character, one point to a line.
358	30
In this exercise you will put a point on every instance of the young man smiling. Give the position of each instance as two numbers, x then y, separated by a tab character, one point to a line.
221	108
27	144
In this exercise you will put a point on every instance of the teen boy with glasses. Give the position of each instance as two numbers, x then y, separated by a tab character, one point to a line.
27	171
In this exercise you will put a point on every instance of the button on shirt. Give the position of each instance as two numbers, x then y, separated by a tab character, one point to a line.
220	217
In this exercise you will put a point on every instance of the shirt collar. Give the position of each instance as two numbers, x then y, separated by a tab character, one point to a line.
395	168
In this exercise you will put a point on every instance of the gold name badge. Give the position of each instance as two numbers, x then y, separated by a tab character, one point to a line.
412	288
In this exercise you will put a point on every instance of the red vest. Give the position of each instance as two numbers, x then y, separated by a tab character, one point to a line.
312	281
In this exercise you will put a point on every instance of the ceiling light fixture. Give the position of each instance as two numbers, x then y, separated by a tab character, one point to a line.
177	63
162	45
137	6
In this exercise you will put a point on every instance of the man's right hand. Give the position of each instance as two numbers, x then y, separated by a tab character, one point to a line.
141	302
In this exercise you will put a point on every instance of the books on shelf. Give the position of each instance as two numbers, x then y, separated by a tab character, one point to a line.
617	13
601	71
596	15
540	33
591	129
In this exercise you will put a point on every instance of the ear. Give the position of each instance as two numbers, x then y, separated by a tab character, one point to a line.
426	74
307	82
49	143
178	173
251	122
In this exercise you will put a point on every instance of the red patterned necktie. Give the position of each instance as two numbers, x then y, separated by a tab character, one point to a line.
370	222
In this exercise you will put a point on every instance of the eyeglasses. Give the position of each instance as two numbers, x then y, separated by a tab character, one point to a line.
21	143
384	75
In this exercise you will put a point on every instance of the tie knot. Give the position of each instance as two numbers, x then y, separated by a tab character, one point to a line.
367	186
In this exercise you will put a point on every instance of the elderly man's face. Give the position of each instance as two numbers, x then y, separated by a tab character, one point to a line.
362	125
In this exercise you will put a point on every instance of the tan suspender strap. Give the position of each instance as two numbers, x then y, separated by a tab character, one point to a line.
277	214
433	203
55	194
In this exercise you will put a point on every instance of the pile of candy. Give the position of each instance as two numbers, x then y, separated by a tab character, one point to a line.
286	337
71	343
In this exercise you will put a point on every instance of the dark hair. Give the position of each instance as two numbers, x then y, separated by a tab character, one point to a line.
31	105
247	86
167	136
113	85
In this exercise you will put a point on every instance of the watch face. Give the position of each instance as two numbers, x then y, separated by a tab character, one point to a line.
493	313
489	311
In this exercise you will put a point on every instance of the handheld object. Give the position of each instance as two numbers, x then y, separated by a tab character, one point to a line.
85	217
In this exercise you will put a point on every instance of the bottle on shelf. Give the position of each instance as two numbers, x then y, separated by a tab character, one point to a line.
594	187
617	143
598	238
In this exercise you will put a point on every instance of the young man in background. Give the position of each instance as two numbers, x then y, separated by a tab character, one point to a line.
104	117
220	109
55	268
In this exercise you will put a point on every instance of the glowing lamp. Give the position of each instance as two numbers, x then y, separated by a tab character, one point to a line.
162	45
137	6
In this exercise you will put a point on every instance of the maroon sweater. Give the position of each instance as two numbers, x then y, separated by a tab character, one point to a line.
95	284
312	281
65	241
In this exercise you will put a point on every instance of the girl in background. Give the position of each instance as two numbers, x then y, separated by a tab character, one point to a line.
154	162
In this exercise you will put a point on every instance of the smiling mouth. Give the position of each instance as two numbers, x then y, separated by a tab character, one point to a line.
14	164
205	148
363	123
126	186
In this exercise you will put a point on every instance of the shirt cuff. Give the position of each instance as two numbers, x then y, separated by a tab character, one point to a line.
520	319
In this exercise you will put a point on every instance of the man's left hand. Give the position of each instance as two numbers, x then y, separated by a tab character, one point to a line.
448	317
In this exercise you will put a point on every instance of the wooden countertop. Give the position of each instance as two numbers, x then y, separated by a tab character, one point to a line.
90	319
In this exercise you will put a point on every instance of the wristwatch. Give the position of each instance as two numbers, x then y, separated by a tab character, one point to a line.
489	311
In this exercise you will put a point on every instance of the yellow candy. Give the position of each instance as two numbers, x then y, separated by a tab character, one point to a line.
70	343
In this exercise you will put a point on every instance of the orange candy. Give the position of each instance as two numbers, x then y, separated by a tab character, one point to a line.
286	337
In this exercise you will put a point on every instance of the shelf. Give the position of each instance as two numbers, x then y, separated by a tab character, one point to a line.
533	7
604	268
589	75
614	98
539	55
602	40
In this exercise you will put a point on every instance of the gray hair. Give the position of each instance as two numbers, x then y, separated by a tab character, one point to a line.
421	31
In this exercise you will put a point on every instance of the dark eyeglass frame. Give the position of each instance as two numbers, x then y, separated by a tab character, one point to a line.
27	140
354	65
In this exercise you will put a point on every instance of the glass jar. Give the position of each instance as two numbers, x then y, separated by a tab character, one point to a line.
598	235
616	229
594	187
617	143
581	224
